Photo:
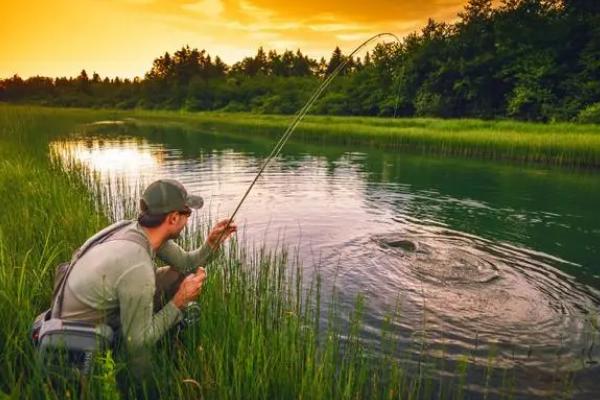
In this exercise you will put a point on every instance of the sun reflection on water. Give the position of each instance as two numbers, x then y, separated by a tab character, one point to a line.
112	158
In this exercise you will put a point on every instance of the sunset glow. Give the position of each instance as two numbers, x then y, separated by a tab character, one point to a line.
121	38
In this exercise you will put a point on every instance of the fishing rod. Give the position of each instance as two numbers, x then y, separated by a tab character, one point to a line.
297	119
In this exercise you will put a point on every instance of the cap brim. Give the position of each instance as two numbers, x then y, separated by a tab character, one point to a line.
194	201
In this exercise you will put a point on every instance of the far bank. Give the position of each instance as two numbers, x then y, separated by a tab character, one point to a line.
560	144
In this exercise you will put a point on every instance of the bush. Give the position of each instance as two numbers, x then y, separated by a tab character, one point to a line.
127	104
428	104
531	102
235	106
590	114
332	103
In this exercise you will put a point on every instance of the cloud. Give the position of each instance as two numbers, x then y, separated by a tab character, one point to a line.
374	11
121	37
209	8
337	16
314	26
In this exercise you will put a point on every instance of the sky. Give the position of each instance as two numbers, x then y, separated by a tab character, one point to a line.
123	37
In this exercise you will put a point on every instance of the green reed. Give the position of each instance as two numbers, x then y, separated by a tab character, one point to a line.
564	144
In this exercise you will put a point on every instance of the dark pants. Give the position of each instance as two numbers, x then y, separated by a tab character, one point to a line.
167	283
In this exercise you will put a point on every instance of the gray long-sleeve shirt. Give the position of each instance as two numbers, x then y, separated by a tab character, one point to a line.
114	283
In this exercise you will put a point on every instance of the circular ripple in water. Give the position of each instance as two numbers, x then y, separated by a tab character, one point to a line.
468	292
447	264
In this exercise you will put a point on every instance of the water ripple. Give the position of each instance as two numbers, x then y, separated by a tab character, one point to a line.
468	288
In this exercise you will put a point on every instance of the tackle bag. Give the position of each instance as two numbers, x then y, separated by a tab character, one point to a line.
79	341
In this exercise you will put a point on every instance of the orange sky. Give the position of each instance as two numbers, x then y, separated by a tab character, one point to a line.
122	37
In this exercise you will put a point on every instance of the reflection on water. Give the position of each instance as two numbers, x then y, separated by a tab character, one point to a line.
483	258
112	158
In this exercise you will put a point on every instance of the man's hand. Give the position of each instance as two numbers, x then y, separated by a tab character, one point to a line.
190	288
220	232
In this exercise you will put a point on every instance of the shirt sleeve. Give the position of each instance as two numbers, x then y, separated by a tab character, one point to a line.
184	261
139	324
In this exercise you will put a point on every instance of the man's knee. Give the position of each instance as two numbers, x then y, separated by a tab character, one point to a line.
168	280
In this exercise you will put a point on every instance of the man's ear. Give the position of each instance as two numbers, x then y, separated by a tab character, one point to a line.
172	217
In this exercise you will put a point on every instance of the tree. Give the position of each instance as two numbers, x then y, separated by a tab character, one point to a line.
252	66
301	65
527	59
336	59
321	69
161	67
472	47
220	68
83	77
278	65
83	82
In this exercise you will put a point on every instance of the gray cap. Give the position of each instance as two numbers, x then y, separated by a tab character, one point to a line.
166	195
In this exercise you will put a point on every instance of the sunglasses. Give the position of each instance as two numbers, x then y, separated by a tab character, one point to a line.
187	212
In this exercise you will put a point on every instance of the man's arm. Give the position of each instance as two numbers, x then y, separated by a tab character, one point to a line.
140	326
184	261
187	261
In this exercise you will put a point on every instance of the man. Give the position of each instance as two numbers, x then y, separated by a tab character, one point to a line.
116	282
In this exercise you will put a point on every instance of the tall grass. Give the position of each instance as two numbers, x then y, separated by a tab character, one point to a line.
565	144
259	335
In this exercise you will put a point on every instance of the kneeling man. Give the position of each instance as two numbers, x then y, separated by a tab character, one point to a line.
115	282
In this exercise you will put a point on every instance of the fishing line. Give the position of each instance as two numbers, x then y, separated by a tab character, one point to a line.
299	116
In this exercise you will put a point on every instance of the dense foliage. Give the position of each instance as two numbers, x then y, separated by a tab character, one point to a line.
525	59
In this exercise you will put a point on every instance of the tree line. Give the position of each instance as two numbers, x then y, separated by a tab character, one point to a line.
525	59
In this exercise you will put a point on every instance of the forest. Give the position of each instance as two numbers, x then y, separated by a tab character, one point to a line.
536	60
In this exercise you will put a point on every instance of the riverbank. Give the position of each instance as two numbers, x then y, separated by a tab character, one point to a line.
560	144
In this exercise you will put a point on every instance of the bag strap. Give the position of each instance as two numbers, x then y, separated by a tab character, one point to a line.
98	238
132	236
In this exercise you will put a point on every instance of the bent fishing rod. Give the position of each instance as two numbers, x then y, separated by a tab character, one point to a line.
297	119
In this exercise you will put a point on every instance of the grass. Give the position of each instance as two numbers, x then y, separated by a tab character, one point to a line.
564	144
259	335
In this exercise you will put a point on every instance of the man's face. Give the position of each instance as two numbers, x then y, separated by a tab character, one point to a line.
178	220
